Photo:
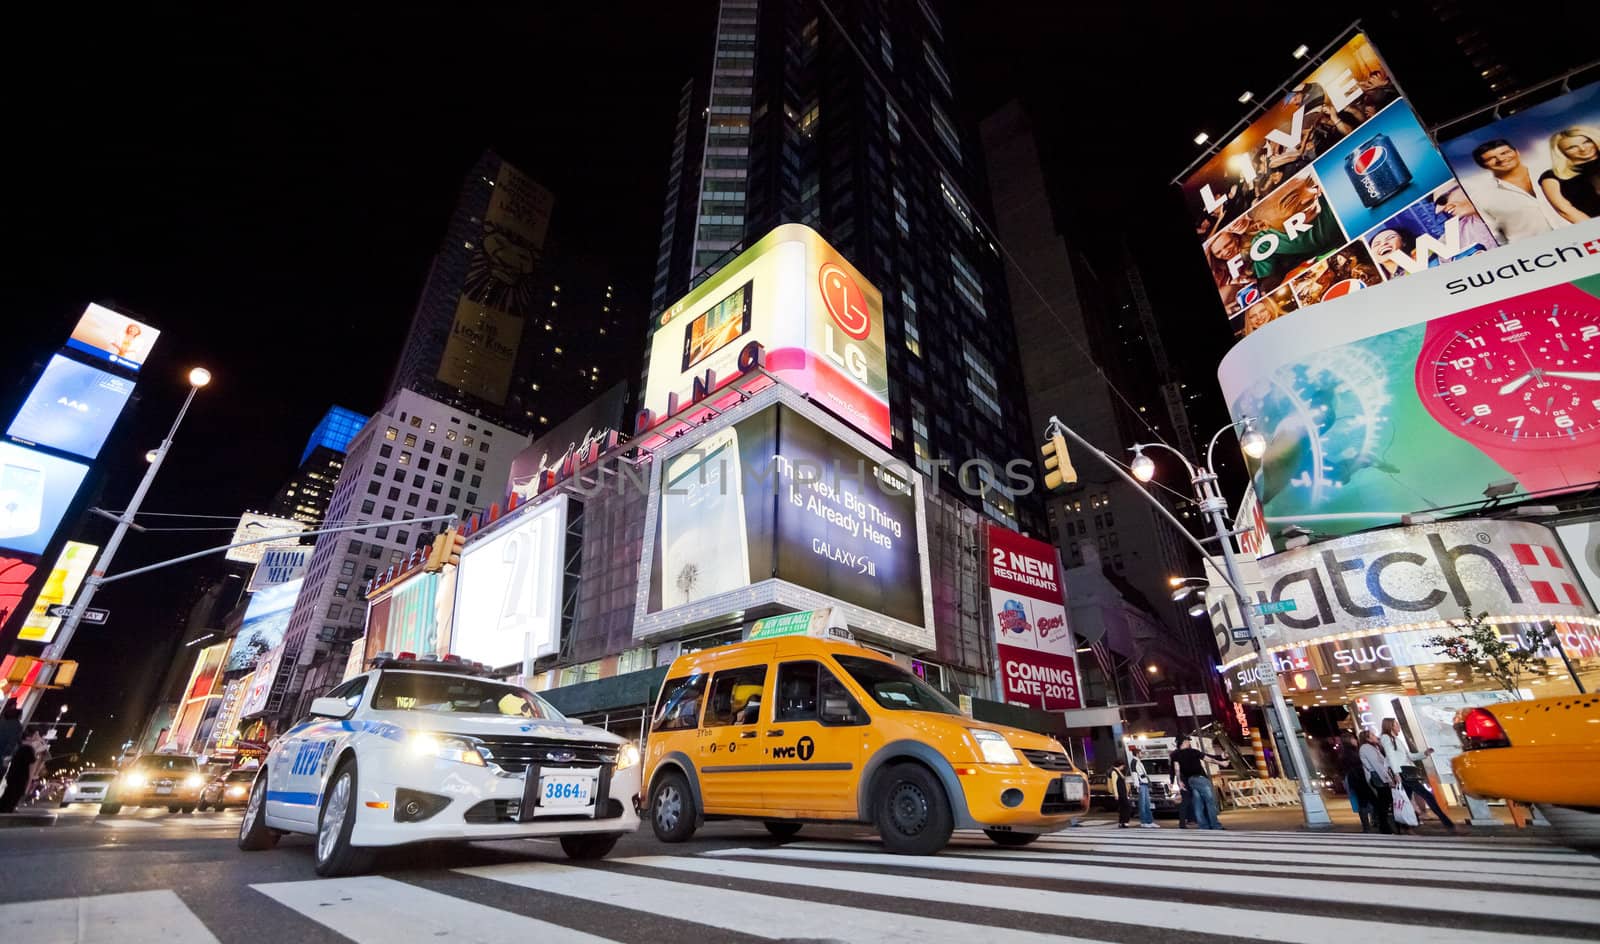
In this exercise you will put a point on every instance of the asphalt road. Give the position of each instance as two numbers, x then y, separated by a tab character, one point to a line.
151	876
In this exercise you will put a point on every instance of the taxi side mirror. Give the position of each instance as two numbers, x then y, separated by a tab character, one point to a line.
326	707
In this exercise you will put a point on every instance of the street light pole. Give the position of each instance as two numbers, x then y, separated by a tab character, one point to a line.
198	377
1204	481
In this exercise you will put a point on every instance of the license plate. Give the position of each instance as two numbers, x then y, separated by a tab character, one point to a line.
565	792
1072	788
163	791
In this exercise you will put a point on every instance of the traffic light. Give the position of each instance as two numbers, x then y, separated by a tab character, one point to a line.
66	671
1058	470
20	669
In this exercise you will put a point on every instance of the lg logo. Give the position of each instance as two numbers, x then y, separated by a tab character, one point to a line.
846	302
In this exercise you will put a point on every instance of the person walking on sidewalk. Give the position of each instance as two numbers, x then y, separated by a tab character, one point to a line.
1189	769
1141	782
1117	781
1355	779
1380	780
1405	762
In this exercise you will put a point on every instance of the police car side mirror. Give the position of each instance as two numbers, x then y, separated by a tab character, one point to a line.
326	707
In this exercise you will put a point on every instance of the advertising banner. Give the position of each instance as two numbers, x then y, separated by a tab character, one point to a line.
35	492
500	273
252	526
266	620
508	595
774	494
71	408
15	574
280	565
792	303
225	729
482	350
1422	395
113	336
405	617
1582	543
1536	170
1038	657
255	699
197	697
61	587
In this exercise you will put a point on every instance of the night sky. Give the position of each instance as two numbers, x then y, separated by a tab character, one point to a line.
268	189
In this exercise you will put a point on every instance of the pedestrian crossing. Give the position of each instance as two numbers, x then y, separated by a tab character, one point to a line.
1079	885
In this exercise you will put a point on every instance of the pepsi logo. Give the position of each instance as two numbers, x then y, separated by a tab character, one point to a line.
1369	158
1342	288
845	300
1250	296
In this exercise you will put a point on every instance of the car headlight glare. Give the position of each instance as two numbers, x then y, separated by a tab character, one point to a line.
194	780
133	779
627	756
993	747
447	747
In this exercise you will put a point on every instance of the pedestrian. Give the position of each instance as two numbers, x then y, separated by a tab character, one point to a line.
1380	780
1362	800
1189	769
17	776
1141	781
1117	781
1404	762
10	731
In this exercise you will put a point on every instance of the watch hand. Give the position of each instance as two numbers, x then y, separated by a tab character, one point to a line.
1574	374
1513	385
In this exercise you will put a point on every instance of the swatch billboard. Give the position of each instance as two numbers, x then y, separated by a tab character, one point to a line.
792	304
1037	653
1336	188
1431	394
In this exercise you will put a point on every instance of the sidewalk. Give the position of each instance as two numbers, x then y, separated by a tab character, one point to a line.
1280	818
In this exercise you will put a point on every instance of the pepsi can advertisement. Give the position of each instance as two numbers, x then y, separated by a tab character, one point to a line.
1376	170
1248	295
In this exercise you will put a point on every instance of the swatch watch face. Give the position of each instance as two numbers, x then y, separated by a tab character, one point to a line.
1529	377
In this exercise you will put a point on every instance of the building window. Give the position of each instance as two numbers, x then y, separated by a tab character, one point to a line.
446	453
383	534
347	568
367	506
355	545
388	512
484	447
411	499
391	433
472	498
416	422
373	488
461	475
404	537
433	504
405	458
369	572
450	435
396	557
433	428
467	442
436	486
411	440
335	610
422	464
478	464
399	475
394	494
455	492
386	451
477	480
417	480
427	445
380	468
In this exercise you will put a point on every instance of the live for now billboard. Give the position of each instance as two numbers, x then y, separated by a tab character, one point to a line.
1036	648
1431	393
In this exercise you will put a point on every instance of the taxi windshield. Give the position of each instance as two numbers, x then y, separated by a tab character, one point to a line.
166	762
425	691
894	687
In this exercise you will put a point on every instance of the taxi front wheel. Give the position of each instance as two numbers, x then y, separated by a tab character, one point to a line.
672	812
912	811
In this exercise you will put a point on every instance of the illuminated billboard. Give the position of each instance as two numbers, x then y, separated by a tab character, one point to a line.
774	504
792	303
71	408
260	687
1437	390
14	576
253	526
1536	170
35	492
1336	188
508	594
113	336
1027	599
266	620
406	617
60	588
280	565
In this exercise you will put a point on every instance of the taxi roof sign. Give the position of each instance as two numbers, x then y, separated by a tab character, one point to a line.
818	624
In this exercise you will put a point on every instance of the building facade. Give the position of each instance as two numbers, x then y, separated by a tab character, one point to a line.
305	496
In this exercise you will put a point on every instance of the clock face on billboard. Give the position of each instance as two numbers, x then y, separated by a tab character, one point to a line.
1528	377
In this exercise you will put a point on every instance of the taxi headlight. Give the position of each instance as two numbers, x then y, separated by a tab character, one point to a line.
193	781
133	779
235	791
992	745
462	750
627	756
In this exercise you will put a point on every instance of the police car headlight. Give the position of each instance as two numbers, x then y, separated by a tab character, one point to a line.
447	747
627	756
993	747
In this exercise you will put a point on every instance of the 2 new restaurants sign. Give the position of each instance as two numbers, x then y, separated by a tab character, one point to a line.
1038	658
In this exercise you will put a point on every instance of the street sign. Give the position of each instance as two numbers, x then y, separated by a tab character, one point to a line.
1241	635
1278	606
91	615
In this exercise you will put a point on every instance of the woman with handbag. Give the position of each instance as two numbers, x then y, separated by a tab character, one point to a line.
1379	779
1405	765
1355	779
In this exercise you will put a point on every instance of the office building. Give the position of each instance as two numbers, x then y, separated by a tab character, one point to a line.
854	130
304	497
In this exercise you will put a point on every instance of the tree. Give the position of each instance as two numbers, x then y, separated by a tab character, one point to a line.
1477	645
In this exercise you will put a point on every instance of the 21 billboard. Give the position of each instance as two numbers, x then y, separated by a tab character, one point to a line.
1444	386
792	304
508	598
1036	648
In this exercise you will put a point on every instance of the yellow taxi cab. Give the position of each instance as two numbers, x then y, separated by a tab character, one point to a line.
799	729
1545	751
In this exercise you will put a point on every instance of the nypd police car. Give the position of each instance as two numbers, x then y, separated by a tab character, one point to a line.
423	750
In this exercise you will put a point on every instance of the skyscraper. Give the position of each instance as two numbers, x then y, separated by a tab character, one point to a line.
852	127
305	496
475	307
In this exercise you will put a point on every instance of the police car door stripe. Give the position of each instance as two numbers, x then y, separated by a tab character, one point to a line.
765	916
1507	904
1151	911
158	917
374	910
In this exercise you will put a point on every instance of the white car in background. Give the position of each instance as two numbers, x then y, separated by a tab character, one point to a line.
89	786
421	750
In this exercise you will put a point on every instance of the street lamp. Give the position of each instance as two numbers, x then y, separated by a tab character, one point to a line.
198	377
1204	480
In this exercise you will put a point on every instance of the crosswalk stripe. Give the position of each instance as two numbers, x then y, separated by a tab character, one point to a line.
1167	834
158	917
373	910
128	823
1439	850
1148	912
1507	904
748	912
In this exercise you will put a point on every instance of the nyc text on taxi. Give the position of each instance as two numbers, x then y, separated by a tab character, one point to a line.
801	729
418	750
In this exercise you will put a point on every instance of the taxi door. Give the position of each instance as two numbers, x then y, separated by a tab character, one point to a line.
813	743
730	740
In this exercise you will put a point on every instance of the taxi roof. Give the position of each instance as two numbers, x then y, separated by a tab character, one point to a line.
780	646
